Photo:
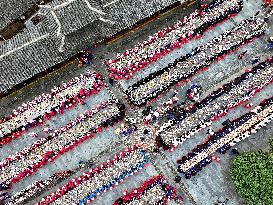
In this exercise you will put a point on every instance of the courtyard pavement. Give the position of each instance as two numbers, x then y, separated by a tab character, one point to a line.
212	183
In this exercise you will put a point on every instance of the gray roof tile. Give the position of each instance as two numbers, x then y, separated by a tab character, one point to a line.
37	48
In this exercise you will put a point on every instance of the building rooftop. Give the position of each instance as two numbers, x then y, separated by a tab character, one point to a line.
13	9
63	29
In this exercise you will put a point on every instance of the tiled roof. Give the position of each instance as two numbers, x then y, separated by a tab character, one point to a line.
13	9
75	15
65	27
27	61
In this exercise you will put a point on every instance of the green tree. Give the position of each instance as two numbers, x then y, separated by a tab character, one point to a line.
252	176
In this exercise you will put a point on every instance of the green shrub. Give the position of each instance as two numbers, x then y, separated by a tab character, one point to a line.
252	176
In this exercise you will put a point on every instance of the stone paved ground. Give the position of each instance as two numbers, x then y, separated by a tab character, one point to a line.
207	186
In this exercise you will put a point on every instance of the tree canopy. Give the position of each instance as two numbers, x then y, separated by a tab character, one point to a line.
252	176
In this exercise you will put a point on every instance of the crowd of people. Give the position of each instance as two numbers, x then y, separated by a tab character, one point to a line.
226	137
44	150
166	40
194	62
44	106
153	191
193	93
179	122
85	188
36	188
85	57
189	121
161	112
